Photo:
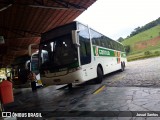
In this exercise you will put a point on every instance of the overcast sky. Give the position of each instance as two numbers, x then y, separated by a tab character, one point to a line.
118	18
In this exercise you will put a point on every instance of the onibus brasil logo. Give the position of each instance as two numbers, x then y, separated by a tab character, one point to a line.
13	114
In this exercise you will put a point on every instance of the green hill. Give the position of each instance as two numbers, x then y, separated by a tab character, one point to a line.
148	40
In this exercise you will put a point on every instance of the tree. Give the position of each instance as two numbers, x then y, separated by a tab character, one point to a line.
145	27
120	39
127	49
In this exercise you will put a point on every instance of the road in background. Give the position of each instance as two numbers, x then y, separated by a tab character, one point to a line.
140	73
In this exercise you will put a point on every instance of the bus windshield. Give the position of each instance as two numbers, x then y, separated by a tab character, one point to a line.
61	53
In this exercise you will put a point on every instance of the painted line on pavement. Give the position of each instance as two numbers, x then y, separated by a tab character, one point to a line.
99	89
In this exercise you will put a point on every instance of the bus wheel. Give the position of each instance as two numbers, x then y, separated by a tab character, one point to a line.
70	86
99	75
122	67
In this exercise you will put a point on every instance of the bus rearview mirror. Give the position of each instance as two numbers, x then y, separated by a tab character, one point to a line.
75	38
30	48
27	65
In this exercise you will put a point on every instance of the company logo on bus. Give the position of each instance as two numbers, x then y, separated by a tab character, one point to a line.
104	52
101	52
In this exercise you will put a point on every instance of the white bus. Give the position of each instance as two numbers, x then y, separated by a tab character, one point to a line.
77	53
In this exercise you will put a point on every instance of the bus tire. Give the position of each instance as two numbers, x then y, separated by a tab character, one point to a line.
99	75
70	86
122	67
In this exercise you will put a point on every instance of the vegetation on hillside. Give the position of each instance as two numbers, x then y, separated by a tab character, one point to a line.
145	27
142	29
143	38
143	42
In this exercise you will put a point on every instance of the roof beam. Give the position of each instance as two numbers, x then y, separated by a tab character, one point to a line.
39	2
25	38
15	49
68	4
53	8
4	8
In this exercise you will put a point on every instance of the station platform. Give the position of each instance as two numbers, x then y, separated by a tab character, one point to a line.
86	101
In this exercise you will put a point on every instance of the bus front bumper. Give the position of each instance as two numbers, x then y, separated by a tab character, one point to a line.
74	77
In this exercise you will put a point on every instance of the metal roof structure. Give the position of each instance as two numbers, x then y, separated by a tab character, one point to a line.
23	21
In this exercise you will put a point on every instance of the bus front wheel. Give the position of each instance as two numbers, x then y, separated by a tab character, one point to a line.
99	75
70	86
122	66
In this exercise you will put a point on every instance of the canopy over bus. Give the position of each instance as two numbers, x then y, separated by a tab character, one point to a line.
23	21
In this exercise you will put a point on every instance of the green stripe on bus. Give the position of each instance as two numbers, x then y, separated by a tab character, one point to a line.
103	52
106	52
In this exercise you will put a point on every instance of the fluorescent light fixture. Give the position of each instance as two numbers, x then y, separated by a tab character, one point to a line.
4	8
2	40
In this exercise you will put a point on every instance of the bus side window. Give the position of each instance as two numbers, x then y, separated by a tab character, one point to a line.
103	41
96	38
93	41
